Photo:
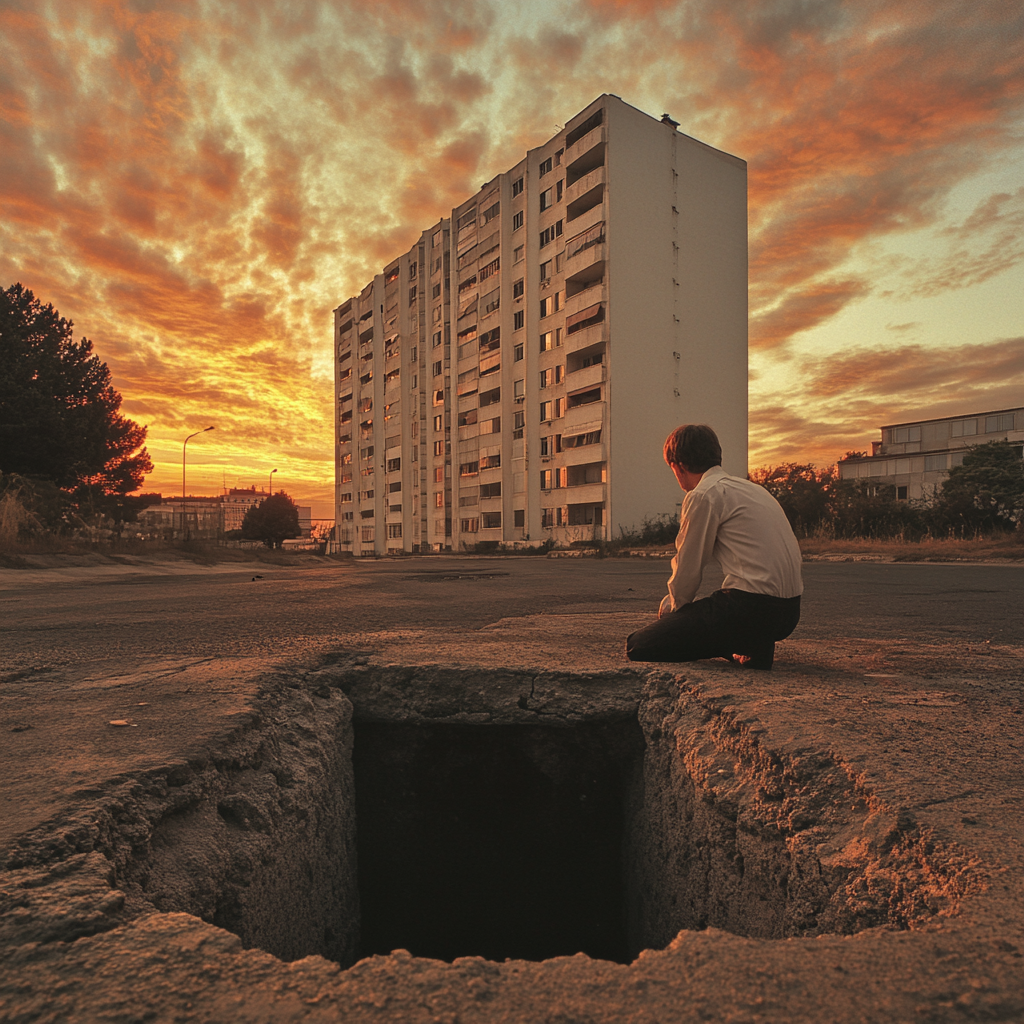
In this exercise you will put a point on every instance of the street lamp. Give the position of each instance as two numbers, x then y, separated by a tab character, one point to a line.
270	482
183	447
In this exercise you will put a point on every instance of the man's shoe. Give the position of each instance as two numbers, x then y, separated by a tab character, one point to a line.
760	657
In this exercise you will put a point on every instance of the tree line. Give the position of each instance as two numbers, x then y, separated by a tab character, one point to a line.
68	457
983	496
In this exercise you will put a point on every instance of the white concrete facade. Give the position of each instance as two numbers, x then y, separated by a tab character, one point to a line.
916	457
512	377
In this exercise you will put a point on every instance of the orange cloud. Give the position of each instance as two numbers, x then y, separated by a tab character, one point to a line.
197	186
840	401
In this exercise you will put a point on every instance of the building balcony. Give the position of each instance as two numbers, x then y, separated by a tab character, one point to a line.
584	494
585	154
581	456
589	296
589	376
583	189
596	334
584	418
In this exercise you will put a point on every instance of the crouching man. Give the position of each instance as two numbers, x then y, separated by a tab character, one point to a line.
744	528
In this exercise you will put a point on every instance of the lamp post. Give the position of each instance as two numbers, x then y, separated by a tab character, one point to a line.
184	519
270	483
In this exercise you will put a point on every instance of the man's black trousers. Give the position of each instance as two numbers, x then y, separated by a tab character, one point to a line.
726	623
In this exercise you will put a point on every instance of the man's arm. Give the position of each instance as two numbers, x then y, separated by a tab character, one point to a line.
695	542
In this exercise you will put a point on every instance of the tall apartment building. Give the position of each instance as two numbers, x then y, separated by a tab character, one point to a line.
916	457
511	378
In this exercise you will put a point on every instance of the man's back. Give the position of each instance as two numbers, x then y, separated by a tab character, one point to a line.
754	543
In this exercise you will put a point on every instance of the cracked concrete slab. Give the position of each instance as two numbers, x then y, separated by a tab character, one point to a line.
871	787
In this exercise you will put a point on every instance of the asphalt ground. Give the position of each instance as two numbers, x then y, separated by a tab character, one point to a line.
57	618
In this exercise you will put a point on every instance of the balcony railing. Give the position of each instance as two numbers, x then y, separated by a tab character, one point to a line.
588	375
593	138
580	187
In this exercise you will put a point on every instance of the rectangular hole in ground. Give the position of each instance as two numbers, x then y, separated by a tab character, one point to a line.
494	841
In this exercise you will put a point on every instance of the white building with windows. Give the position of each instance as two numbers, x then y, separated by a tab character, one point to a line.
512	377
916	457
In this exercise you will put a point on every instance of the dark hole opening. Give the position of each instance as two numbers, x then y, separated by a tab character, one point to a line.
494	841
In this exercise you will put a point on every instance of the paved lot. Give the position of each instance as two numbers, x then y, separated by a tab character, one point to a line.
904	679
57	618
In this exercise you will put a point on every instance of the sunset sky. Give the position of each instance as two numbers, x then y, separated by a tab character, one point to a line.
197	184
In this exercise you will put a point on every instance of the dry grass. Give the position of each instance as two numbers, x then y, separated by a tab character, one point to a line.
1009	547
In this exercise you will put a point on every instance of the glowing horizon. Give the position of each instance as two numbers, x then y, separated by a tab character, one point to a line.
197	185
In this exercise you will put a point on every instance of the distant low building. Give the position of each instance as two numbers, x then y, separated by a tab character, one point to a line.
204	517
916	457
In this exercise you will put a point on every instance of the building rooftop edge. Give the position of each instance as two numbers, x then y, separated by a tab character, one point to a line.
946	419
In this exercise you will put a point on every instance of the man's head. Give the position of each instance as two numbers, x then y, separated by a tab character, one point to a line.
693	447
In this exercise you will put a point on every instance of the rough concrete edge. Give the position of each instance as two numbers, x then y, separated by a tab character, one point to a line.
897	866
63	878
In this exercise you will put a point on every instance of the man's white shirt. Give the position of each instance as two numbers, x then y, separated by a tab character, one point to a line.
742	527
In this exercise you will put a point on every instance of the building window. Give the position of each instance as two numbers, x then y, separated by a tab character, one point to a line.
490	461
367	534
347	517
518	425
490	397
518	320
438	499
395	487
436	240
517	352
963	428
545	271
517	289
469	525
346	498
439	447
393	466
394	531
436	292
594	437
903	434
545	166
548	235
438	368
439	396
558	191
491	490
585	398
517	254
1003	421
552	517
491	426
517	187
469	468
546	202
491	212
519	517
491	520
517	220
901	494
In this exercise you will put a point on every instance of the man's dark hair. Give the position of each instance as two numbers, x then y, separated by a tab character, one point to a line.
694	446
